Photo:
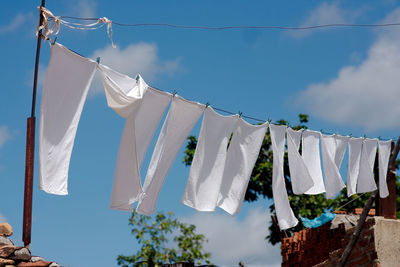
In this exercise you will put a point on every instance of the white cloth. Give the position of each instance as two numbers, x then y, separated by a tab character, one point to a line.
355	145
180	120
333	148
66	86
384	155
143	107
311	156
242	155
299	175
205	176
284	212
366	180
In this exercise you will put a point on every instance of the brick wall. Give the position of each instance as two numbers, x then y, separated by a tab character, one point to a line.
323	246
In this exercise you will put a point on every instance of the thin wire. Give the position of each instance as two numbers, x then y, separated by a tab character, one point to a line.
358	196
239	27
277	27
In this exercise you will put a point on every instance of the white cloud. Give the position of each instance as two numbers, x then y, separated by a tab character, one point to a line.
231	240
326	13
85	9
363	95
15	23
136	58
5	135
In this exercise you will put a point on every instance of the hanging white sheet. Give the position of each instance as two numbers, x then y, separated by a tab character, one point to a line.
311	156
384	155
355	145
366	181
333	148
300	176
240	160
205	177
66	86
284	212
143	107
180	120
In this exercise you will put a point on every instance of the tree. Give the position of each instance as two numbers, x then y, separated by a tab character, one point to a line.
159	247
260	185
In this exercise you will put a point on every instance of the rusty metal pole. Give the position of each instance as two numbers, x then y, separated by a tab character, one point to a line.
30	149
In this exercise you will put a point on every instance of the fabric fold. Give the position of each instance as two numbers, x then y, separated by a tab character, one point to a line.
300	176
240	160
353	169
384	155
205	176
284	212
311	156
67	83
143	108
333	148
180	120
366	180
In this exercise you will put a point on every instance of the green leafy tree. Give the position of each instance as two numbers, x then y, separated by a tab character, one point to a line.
164	240
260	185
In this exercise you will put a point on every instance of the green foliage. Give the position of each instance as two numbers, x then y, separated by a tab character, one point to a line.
158	246
260	185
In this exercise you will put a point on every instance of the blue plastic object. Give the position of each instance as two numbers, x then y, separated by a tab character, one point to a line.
317	222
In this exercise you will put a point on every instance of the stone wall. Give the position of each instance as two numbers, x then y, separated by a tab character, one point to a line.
14	256
378	244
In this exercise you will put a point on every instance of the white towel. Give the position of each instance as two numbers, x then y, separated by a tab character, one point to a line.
299	175
180	120
284	212
208	164
366	181
384	155
143	107
333	148
242	155
355	145
66	86
311	156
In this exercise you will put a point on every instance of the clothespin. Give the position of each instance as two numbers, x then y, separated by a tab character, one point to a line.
137	78
269	120
52	42
98	60
174	93
207	104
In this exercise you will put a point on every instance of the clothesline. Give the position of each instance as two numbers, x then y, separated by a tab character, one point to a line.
219	173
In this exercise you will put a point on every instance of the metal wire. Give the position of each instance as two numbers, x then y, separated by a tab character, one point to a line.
232	27
333	25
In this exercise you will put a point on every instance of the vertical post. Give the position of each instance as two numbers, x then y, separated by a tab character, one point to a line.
30	149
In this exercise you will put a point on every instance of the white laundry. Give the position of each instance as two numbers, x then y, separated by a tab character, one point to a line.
366	181
240	160
284	212
66	86
299	175
333	148
384	155
311	156
205	176
143	108
180	120
355	146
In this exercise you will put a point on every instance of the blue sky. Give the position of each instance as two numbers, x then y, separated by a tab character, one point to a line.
345	79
